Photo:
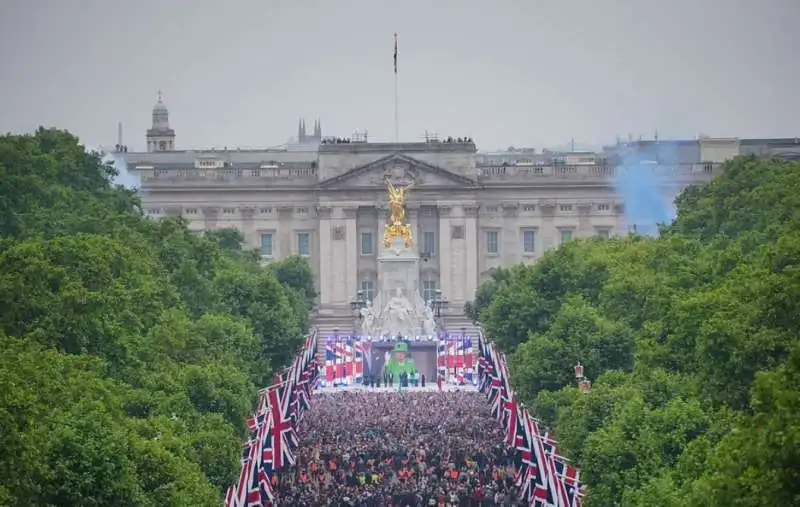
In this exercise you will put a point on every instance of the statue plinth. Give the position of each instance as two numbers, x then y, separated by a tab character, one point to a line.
398	267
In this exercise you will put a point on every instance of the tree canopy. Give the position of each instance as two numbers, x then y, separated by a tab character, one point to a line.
133	349
690	341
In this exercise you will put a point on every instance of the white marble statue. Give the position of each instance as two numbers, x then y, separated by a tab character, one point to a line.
428	321
368	320
398	316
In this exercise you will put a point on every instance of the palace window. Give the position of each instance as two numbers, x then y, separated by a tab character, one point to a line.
266	245
492	209
603	207
492	242
603	233
429	243
303	244
529	242
566	235
566	207
366	243
368	287
429	290
229	211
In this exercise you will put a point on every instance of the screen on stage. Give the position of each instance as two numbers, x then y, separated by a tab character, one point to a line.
401	356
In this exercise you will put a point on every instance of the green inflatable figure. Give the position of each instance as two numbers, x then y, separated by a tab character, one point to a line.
400	362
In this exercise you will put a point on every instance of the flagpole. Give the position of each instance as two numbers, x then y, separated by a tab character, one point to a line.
396	96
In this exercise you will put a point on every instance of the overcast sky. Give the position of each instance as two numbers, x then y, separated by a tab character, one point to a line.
525	73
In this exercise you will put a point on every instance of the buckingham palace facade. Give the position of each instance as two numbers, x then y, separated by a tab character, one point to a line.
325	199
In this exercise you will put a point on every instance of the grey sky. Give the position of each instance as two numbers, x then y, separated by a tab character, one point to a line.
524	73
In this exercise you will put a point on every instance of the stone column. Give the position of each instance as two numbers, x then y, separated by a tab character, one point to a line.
337	278
510	234
210	217
285	232
585	228
445	265
412	210
548	232
458	256
351	250
248	228
325	234
473	247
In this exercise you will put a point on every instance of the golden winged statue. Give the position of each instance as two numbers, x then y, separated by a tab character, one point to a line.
397	228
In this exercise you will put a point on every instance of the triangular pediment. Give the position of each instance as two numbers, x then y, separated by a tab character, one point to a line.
399	169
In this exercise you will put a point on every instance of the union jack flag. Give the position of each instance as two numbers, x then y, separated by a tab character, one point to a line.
272	428
344	361
544	462
570	478
237	495
455	352
486	369
284	437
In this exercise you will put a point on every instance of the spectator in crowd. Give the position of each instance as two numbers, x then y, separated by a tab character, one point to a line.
399	449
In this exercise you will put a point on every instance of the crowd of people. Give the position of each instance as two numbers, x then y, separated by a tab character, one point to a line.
409	448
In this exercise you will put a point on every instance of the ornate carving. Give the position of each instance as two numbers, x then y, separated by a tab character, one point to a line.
338	233
510	208
398	316
548	207
400	174
210	211
397	228
457	232
350	213
369	321
445	211
324	212
471	211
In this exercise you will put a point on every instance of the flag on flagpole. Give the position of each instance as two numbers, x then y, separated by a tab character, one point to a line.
395	53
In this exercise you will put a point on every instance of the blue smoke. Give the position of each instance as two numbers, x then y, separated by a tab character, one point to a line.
640	182
124	177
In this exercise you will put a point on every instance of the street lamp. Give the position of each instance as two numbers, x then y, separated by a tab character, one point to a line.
584	384
358	303
438	303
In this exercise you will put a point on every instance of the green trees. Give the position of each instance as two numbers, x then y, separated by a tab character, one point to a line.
132	350
690	340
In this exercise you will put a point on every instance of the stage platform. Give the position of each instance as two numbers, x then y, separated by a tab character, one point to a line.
394	389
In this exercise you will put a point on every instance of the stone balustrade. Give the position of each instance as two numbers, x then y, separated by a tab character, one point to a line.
307	174
228	174
491	173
